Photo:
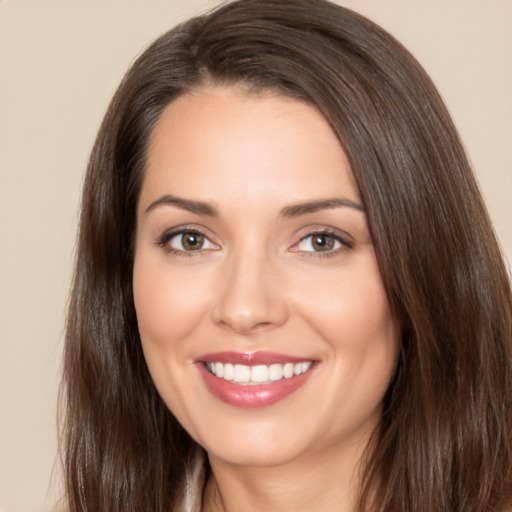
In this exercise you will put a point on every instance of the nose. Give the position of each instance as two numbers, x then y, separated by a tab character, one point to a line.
250	298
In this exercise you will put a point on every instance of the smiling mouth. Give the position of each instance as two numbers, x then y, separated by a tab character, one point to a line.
254	379
258	374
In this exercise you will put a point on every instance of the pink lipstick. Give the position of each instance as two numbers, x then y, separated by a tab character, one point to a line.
253	379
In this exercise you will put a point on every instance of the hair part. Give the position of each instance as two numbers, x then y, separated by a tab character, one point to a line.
445	436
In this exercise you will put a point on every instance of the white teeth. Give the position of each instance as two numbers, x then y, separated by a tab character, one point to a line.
259	373
288	370
305	366
275	372
243	374
229	371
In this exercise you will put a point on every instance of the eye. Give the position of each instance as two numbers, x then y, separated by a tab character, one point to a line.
322	242
187	241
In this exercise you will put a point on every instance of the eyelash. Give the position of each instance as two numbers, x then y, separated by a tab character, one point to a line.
164	240
345	242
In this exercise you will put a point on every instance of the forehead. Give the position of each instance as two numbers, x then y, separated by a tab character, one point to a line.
222	142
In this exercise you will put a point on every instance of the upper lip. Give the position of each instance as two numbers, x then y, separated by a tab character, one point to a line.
251	358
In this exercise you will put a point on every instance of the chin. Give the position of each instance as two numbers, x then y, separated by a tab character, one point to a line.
257	453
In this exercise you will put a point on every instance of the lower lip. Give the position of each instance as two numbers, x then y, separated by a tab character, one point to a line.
252	395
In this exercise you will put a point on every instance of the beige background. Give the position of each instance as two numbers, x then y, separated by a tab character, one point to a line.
60	61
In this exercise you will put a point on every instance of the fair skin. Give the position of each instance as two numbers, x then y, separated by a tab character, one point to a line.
252	241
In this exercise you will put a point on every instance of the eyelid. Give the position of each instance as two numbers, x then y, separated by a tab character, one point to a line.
346	241
209	244
164	239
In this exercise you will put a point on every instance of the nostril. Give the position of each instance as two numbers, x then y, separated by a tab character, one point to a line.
244	324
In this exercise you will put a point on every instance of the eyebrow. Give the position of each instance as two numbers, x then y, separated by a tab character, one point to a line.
315	206
198	207
295	210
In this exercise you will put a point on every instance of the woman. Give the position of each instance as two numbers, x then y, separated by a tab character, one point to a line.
288	293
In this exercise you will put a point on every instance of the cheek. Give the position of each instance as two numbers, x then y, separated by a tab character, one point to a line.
354	318
351	313
351	305
169	305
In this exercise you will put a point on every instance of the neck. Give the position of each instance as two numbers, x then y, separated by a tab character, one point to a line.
320	482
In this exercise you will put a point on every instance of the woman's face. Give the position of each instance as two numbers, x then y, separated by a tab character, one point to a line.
261	310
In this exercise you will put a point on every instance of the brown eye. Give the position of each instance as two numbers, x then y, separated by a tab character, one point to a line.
192	241
319	242
187	241
322	242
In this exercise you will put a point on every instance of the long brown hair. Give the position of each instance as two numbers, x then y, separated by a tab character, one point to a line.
444	442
